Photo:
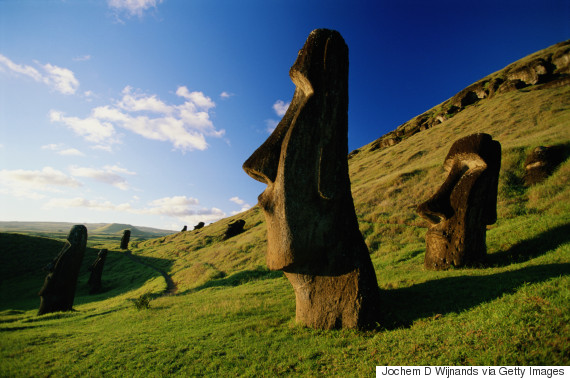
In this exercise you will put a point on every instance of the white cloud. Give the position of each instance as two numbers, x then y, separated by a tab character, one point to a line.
270	125
57	203
107	175
28	183
185	126
239	201
82	58
91	128
225	94
133	7
60	149
281	107
60	79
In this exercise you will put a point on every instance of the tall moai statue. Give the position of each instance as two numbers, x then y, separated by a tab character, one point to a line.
312	229
459	212
96	272
125	239
58	291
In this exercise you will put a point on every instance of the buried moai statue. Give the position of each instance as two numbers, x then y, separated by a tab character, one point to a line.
96	272
184	228
199	226
459	212
58	291
234	229
542	162
312	230
125	239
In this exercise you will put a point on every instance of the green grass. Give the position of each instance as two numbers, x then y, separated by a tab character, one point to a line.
231	316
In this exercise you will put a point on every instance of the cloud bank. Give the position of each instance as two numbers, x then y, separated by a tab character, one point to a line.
186	126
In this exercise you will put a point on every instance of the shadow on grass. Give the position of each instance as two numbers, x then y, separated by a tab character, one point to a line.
531	248
456	294
239	278
24	257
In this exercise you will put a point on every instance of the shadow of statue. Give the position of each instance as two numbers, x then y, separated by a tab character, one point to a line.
531	248
455	294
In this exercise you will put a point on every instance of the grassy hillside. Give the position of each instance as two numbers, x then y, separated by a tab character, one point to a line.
229	315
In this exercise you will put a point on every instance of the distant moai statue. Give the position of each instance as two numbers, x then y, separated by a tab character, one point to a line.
184	228
542	162
464	205
234	229
312	229
125	239
58	291
96	272
199	226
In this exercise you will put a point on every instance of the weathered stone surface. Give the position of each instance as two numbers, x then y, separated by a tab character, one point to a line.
465	203
58	291
199	226
125	239
234	229
312	229
542	162
96	269
184	228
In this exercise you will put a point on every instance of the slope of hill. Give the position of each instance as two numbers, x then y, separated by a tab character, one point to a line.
231	316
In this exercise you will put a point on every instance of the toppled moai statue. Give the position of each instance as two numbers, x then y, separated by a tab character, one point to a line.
542	162
234	229
96	272
184	228
199	226
58	291
312	230
464	205
125	239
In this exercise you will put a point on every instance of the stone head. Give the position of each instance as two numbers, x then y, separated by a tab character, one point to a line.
304	161
464	204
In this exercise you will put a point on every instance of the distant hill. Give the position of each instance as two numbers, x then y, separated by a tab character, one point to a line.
60	229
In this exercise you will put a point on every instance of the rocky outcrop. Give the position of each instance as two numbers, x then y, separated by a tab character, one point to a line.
543	69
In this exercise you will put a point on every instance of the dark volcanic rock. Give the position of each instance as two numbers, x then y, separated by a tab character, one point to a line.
312	230
464	205
58	291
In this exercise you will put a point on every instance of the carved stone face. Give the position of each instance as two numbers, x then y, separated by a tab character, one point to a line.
465	203
304	161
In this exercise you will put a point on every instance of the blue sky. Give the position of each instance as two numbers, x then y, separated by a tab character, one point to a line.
143	111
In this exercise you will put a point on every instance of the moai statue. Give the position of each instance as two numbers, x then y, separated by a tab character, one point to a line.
58	291
184	228
464	205
125	239
312	230
234	229
199	226
542	162
96	271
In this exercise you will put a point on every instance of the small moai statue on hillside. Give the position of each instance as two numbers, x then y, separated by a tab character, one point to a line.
199	226
312	229
234	229
125	239
542	162
58	291
96	272
459	212
184	228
